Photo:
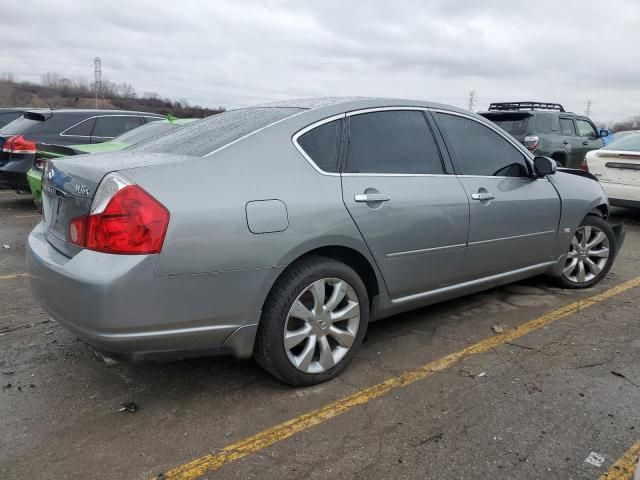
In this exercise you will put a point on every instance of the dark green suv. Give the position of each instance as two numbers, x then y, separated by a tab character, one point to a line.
546	129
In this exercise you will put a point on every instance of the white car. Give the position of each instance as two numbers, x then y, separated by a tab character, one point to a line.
617	167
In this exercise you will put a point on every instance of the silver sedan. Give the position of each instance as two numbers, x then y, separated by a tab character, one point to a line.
281	231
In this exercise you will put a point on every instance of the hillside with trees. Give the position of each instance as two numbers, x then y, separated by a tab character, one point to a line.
58	91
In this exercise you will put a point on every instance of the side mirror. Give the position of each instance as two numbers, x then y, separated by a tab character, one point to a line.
604	133
544	166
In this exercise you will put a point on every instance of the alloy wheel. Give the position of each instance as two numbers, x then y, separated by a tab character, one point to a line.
588	254
321	325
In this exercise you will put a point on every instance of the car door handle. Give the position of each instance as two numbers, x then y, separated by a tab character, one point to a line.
585	143
372	197
566	142
483	196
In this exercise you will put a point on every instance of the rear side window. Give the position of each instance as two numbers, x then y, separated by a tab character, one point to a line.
512	123
479	150
204	136
543	123
392	142
567	127
322	145
83	129
113	125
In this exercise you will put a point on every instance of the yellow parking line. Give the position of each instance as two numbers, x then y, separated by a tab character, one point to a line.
12	276
625	467
236	451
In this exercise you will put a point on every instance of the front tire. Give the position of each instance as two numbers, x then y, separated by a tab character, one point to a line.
313	322
590	255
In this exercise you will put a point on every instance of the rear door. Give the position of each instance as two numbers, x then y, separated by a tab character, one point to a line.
413	215
513	217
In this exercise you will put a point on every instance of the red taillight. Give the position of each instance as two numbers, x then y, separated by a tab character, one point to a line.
133	222
18	144
584	165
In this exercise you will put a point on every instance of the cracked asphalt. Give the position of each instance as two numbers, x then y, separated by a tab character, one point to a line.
535	407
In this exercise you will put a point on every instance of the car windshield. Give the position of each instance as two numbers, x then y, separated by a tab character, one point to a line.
628	143
200	138
144	132
513	124
20	125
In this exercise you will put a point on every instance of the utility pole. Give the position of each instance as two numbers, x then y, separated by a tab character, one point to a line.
97	72
473	98
587	110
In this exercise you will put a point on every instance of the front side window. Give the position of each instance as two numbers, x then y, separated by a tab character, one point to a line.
585	129
567	127
479	150
112	126
322	145
397	141
82	129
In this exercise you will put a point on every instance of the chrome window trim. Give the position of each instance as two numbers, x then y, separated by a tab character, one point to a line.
447	175
527	154
308	128
384	109
62	134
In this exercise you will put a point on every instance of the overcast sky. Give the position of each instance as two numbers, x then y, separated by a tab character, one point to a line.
237	53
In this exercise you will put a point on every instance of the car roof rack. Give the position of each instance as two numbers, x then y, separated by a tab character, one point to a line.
525	106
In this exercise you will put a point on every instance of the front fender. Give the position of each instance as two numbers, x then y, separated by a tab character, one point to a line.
580	195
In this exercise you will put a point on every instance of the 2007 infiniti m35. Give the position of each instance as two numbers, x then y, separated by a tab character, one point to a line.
282	231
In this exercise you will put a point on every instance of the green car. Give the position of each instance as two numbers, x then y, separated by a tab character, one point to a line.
45	151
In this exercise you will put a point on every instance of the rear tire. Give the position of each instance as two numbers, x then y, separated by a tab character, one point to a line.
590	255
313	322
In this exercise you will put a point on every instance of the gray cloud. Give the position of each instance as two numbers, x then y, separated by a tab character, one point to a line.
241	53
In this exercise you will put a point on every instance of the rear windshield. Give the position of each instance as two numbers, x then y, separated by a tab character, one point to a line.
628	143
515	124
202	137
144	132
20	125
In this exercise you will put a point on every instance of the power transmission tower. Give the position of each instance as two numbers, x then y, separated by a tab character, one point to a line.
587	110
97	72
473	99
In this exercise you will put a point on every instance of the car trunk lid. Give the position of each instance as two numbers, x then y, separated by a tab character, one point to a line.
617	166
69	185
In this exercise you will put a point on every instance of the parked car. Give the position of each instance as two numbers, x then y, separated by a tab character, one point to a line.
301	224
45	151
617	168
546	129
65	127
8	115
624	133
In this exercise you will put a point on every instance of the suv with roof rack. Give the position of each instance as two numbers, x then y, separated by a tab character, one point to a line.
547	130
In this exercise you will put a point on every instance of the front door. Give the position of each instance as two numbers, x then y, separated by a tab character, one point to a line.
514	217
589	137
413	216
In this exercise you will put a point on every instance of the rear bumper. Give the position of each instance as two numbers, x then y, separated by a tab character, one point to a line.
119	306
622	195
13	174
